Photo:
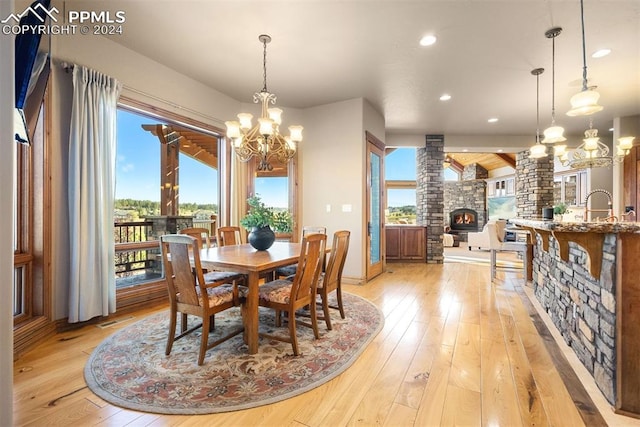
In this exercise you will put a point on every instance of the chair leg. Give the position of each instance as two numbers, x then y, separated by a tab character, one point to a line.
292	333
314	321
278	318
183	323
212	322
325	310
172	332
493	264
204	340
339	297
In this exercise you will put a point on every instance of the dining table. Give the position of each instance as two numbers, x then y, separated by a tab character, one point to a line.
253	263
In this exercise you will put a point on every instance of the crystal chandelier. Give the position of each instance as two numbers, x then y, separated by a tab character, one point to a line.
593	153
263	140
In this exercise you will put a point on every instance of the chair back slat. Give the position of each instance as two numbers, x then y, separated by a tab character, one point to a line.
337	258
309	266
181	281
201	234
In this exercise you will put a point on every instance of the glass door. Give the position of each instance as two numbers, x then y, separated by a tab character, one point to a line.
375	206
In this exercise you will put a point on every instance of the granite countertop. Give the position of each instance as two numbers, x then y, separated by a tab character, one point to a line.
583	227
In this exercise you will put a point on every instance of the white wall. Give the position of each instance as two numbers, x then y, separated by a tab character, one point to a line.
6	224
332	170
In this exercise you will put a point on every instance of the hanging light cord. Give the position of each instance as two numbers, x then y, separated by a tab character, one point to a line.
537	108
584	49
553	81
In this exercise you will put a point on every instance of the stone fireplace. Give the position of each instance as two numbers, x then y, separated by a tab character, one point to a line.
465	195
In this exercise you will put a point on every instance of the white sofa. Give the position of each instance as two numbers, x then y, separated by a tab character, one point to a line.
480	240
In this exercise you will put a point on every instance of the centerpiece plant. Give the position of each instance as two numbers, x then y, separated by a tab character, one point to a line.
263	221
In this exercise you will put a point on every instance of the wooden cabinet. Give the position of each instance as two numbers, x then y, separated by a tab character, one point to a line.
406	243
501	187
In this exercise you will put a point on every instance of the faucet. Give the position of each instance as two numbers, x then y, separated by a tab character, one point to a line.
630	213
610	217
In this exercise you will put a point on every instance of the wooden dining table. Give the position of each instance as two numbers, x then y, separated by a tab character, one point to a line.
247	260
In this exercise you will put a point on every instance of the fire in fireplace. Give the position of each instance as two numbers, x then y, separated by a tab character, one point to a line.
464	219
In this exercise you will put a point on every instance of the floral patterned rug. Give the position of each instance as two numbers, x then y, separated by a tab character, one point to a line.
129	369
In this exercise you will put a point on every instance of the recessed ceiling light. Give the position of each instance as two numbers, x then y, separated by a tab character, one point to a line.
500	150
427	40
493	120
465	150
600	53
445	97
611	129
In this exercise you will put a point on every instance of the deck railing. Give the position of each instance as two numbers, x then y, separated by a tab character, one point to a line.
137	253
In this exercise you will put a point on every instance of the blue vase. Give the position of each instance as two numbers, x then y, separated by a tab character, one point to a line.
262	238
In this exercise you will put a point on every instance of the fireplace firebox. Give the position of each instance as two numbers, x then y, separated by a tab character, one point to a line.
464	219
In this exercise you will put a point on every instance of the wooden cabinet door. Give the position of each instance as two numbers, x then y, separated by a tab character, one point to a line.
413	243
392	235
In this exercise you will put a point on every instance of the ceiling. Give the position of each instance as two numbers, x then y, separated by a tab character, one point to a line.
328	51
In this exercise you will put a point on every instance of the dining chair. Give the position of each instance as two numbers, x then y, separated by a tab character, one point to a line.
496	244
200	234
290	295
191	294
290	270
228	236
331	279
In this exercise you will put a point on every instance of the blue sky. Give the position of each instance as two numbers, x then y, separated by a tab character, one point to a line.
138	170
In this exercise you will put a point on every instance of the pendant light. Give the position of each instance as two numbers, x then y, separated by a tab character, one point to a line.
538	151
584	103
553	133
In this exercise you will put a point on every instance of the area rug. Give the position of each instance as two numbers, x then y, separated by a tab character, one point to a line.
129	369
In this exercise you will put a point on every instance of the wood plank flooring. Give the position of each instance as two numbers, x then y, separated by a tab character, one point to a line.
456	349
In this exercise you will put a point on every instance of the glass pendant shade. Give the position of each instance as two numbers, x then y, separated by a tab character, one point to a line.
553	134
585	103
626	142
538	151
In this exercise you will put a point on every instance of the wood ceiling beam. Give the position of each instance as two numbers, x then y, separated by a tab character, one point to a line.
507	159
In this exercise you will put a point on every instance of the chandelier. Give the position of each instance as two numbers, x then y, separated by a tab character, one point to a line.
263	140
593	153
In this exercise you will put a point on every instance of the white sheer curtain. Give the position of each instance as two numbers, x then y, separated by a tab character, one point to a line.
92	151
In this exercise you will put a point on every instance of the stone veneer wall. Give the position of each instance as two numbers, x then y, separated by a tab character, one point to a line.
429	195
581	307
534	185
474	171
466	194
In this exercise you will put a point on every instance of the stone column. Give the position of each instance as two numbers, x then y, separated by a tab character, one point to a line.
430	195
534	185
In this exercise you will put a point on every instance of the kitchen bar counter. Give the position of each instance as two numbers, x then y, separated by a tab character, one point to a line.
587	278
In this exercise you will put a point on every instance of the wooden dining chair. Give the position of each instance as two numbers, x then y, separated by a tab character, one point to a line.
228	236
290	270
200	234
190	293
289	296
331	279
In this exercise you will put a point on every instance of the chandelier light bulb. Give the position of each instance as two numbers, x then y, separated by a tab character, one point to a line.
553	134
296	133
275	114
233	129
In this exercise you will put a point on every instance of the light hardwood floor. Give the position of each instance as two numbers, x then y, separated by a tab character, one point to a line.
455	349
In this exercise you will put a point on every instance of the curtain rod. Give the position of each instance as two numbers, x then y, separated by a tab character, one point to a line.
68	67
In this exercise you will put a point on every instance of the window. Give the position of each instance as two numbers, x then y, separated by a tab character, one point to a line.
400	175
166	179
570	188
451	174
